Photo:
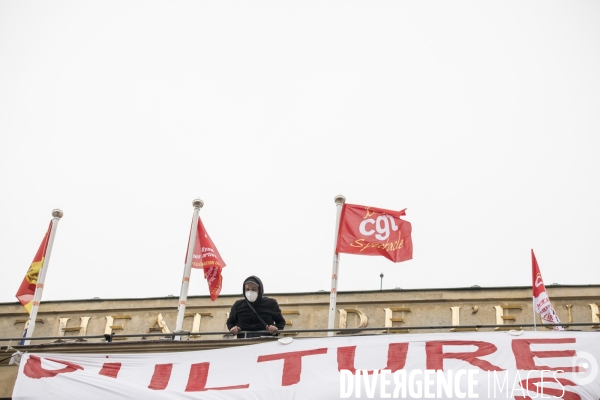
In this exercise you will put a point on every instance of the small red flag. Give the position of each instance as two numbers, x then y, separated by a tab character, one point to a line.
207	257
26	291
541	299
374	231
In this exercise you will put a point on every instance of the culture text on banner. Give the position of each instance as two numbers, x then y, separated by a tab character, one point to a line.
482	365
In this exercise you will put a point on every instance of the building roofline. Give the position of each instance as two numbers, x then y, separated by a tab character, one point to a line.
455	289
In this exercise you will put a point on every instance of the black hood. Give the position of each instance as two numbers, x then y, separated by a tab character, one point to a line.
256	280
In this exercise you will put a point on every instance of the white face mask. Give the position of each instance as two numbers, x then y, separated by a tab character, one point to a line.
251	296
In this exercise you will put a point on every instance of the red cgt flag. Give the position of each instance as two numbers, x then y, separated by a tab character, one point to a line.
207	257
26	291
374	231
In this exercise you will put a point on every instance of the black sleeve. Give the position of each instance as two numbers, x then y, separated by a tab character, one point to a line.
232	320
277	317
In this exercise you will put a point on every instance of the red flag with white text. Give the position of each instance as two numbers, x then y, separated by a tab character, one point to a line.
541	299
374	231
207	257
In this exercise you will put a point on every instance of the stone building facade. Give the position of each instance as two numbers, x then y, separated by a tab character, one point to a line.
79	325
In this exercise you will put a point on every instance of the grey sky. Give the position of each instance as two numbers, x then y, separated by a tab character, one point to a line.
481	118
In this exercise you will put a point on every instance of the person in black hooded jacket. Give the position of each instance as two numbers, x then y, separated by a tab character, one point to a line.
243	318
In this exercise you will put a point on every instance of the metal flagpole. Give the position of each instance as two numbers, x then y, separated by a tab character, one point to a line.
339	201
185	282
533	305
39	287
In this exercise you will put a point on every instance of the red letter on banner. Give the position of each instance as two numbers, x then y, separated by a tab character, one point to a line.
524	355
436	355
199	376
110	369
33	368
396	357
161	376
292	364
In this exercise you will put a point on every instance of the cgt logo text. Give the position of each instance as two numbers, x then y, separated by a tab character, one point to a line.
459	384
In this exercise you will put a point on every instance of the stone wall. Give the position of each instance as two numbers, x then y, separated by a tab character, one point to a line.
395	309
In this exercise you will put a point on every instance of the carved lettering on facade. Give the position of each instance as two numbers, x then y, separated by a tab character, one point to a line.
595	315
159	325
288	321
500	317
62	324
455	315
289	312
456	320
80	330
363	320
570	313
196	322
26	322
396	319
390	319
110	327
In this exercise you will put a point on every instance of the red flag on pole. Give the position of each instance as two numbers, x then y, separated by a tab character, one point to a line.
207	257
26	291
374	231
541	299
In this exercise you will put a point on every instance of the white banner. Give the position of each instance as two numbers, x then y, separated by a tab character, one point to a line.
482	365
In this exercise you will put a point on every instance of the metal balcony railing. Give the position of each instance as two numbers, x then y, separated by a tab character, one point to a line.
347	331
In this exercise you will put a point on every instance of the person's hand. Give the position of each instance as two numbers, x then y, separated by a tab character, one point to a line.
272	329
235	329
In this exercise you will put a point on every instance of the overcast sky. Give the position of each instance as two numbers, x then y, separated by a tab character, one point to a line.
481	118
